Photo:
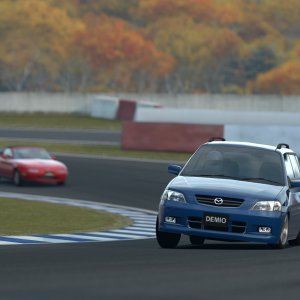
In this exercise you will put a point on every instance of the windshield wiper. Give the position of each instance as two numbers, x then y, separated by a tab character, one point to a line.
260	178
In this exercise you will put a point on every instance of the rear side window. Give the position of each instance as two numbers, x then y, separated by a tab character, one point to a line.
288	166
295	165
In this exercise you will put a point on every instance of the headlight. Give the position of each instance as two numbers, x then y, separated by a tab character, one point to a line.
32	170
173	196
267	206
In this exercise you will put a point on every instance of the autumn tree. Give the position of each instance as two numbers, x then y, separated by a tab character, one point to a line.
283	80
178	46
120	54
34	39
198	56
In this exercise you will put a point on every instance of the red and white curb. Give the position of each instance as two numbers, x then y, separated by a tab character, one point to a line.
143	223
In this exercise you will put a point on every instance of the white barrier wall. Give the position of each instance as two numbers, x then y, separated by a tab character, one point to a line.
222	102
199	116
104	107
51	102
60	102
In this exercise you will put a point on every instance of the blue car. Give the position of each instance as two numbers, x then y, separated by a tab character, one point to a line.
233	191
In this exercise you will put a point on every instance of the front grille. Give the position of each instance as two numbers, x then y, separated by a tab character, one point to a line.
195	222
238	227
216	228
227	202
234	226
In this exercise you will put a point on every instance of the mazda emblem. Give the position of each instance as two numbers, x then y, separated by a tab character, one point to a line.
218	201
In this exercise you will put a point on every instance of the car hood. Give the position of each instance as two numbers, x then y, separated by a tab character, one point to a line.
40	163
225	188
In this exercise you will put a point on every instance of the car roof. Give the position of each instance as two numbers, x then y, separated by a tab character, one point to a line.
283	150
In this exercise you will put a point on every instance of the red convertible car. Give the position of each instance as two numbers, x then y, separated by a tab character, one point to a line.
33	164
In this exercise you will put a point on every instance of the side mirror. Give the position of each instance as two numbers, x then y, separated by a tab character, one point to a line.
295	183
174	169
53	157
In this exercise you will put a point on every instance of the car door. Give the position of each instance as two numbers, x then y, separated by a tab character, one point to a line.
293	171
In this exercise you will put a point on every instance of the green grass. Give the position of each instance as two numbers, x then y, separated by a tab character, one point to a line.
19	217
102	150
41	120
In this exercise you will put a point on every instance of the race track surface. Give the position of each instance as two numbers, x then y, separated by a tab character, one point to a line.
139	269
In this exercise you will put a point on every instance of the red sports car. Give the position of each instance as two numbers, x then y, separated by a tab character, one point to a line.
33	164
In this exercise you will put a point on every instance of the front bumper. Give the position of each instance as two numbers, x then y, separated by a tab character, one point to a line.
41	178
242	226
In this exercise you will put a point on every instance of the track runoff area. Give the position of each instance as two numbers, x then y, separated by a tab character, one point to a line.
143	223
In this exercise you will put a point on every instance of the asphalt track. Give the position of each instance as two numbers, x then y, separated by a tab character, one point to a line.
139	269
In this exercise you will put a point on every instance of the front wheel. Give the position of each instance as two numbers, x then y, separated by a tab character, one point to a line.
166	239
17	178
296	241
283	239
196	240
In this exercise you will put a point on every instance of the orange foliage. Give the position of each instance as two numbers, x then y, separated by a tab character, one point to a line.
109	41
283	80
229	14
295	53
142	41
201	10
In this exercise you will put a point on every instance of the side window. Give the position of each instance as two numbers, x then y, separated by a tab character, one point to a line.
295	165
288	166
7	152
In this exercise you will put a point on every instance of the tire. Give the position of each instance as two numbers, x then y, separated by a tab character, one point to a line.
296	241
165	239
17	178
283	239
196	240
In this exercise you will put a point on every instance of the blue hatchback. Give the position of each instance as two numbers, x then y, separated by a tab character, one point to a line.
233	191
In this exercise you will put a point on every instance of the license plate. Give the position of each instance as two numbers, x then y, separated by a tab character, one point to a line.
49	174
215	220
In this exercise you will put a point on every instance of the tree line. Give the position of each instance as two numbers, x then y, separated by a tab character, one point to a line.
166	46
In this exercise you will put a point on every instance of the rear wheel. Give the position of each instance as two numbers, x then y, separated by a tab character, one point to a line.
166	239
17	178
196	240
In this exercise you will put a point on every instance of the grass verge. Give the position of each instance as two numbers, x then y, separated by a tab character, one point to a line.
49	120
19	217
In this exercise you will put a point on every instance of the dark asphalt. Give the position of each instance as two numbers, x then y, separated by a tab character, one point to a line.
140	269
63	135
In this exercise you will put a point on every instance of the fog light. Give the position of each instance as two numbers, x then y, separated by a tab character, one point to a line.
170	220
263	229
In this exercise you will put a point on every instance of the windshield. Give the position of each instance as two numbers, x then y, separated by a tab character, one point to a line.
236	162
31	153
